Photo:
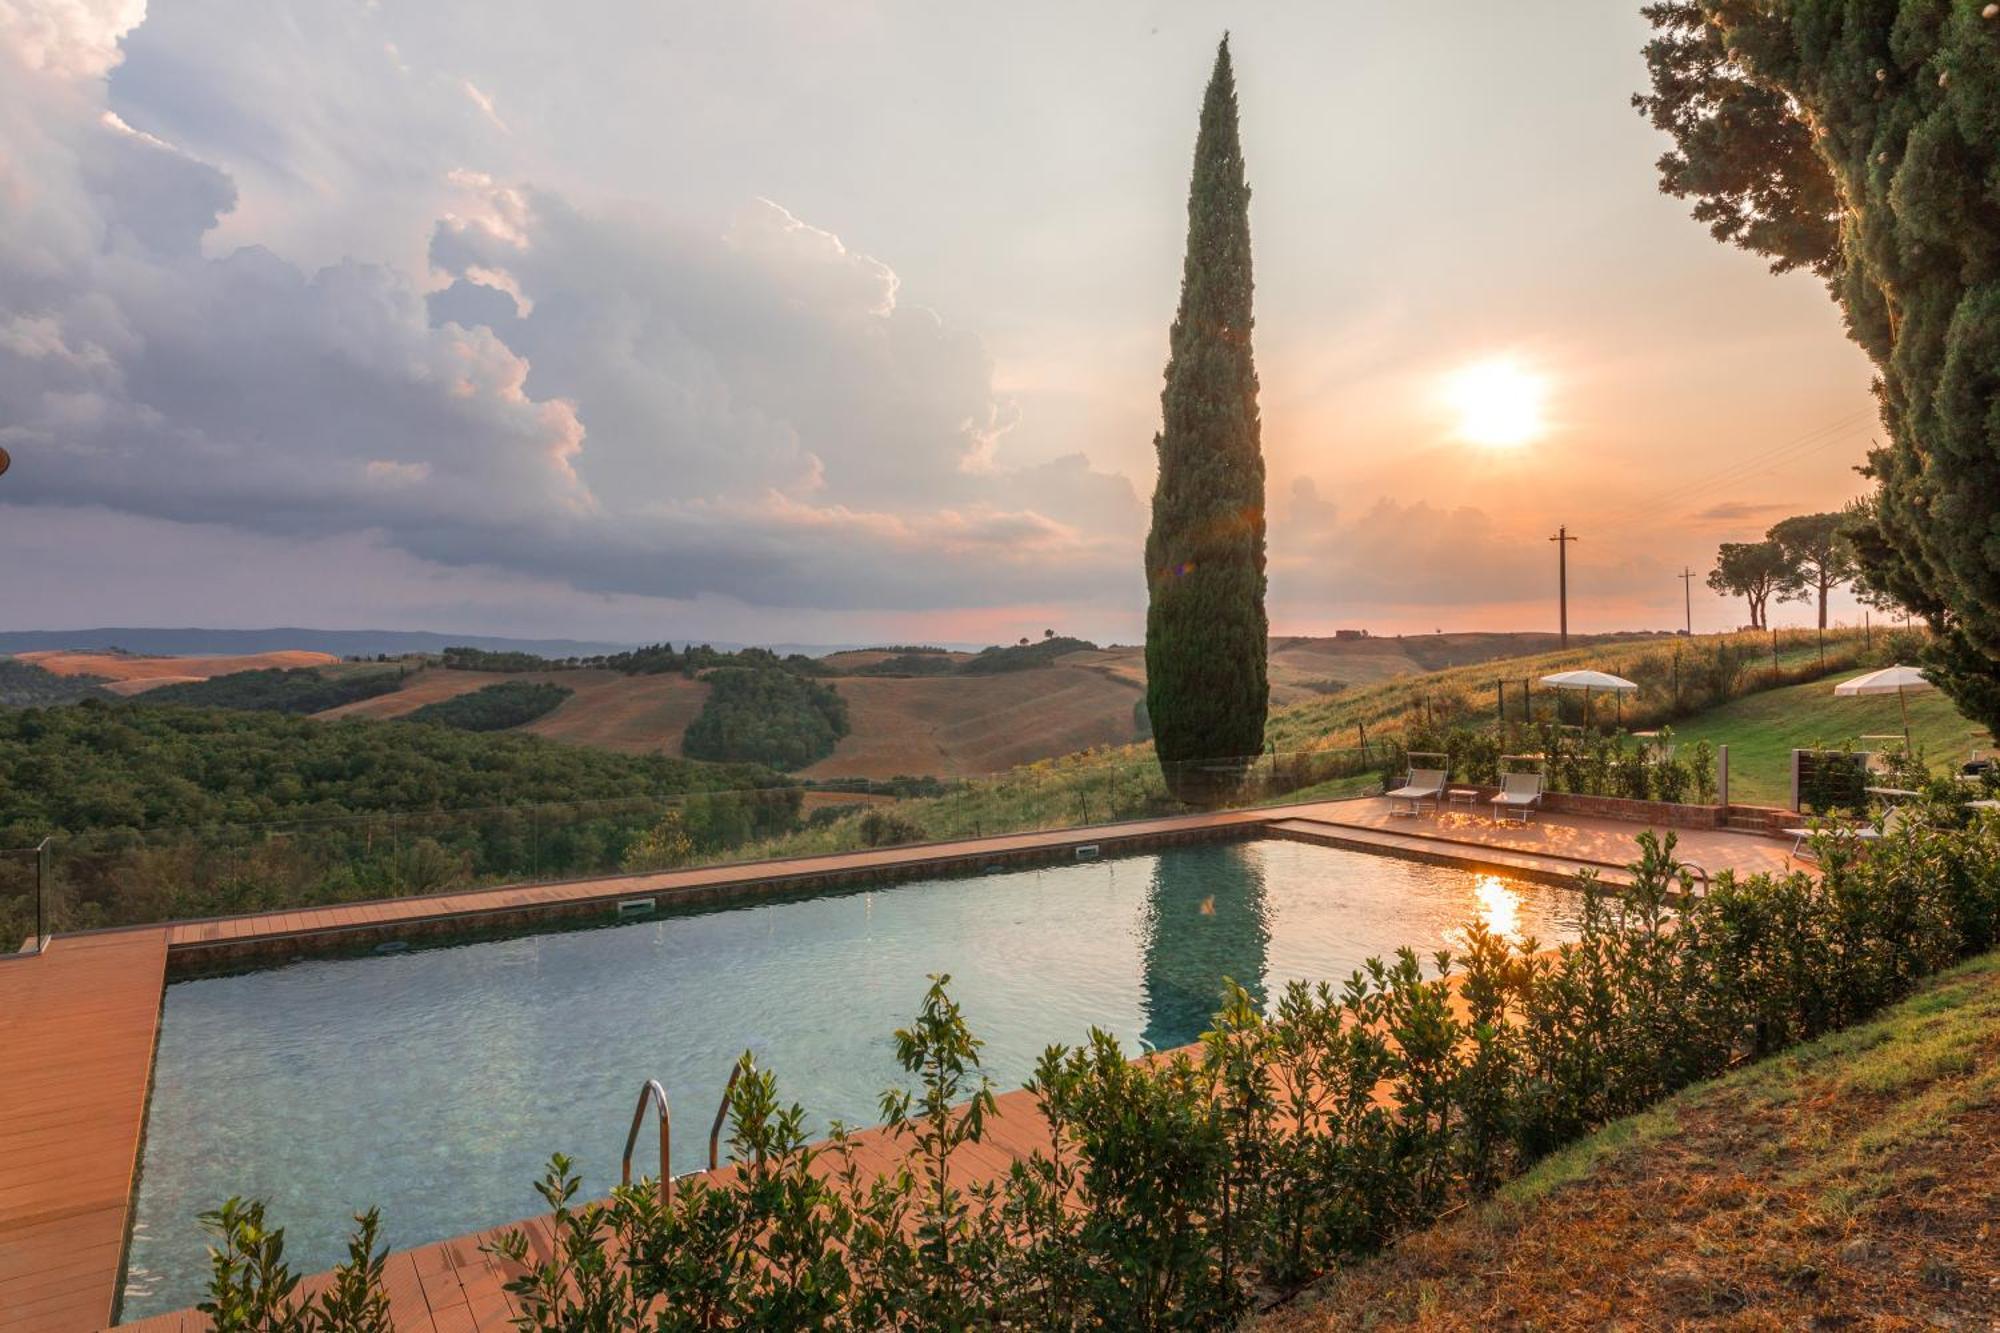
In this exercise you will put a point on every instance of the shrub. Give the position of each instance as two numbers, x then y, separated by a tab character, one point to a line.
886	828
1176	1191
1701	764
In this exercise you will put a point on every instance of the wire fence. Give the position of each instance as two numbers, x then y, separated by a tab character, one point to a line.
130	876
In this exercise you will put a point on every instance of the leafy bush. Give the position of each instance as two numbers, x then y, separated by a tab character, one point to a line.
1176	1191
886	828
278	690
766	716
510	703
1831	780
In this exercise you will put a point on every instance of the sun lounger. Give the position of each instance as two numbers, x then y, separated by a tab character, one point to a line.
1519	792
1801	837
1423	784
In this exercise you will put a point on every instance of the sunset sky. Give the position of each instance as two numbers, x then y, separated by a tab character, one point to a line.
844	322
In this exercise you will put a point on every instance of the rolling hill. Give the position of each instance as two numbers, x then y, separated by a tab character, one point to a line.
941	714
132	673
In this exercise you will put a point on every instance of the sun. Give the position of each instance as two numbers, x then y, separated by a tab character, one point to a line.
1499	404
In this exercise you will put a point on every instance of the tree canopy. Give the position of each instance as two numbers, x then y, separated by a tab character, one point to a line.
1861	139
1206	632
1756	572
1817	548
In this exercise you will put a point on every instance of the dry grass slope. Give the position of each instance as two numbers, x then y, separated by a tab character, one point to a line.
610	711
1854	1183
130	674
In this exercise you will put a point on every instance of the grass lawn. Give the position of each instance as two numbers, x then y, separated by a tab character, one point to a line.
1852	1183
1762	730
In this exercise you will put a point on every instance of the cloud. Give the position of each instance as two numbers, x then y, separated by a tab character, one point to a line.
625	401
483	102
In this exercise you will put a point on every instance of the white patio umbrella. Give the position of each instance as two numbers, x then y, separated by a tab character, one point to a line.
1589	681
1896	680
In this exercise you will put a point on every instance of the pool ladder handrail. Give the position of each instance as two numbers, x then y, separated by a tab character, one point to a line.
654	1094
721	1114
1692	871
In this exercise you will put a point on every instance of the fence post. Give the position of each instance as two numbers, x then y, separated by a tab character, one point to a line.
1795	779
42	895
1722	775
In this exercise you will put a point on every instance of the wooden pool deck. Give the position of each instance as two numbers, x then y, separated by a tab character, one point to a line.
78	1023
76	1058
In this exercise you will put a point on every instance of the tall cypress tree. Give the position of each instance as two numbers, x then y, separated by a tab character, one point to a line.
1206	635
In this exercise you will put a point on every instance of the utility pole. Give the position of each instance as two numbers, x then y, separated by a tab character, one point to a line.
1562	539
1687	594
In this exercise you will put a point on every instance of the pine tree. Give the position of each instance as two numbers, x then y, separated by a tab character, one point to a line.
1206	634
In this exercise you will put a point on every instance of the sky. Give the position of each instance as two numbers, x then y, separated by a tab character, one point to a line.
845	322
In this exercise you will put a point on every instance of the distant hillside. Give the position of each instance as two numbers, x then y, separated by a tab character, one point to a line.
336	642
25	685
920	710
155	641
131	673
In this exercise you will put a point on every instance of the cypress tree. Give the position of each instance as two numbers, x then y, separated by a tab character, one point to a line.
1206	634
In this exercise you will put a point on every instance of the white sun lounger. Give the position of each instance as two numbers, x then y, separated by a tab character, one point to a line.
1423	784
1520	792
1802	847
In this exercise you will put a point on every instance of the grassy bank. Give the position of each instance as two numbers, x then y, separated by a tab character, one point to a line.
1850	1183
1762	730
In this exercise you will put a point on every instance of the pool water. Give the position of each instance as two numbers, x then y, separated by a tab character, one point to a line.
435	1083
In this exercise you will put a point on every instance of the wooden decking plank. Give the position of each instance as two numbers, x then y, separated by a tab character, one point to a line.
78	1023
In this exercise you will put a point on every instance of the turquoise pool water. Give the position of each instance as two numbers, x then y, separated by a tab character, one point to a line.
435	1083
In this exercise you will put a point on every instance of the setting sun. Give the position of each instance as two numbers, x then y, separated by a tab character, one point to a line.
1498	404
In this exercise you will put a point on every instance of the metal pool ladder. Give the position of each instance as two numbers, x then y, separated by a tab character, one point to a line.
653	1094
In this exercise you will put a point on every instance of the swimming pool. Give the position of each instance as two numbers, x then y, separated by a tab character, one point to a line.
435	1083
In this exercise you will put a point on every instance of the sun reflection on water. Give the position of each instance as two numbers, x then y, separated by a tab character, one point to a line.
1496	904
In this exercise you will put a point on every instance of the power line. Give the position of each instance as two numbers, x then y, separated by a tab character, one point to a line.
1732	473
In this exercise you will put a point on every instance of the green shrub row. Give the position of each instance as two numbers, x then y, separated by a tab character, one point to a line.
510	703
1182	1190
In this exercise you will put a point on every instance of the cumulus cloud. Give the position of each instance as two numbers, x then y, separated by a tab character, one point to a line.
625	401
